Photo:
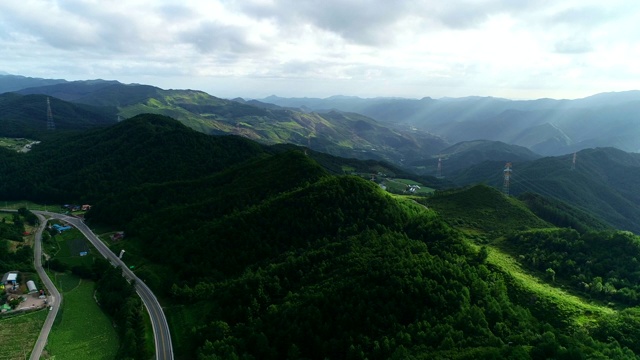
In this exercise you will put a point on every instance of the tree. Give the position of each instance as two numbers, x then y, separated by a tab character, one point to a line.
551	274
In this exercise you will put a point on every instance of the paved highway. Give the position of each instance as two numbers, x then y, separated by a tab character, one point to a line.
55	298
164	349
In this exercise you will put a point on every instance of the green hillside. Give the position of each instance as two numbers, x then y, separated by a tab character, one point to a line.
483	208
337	268
562	214
89	166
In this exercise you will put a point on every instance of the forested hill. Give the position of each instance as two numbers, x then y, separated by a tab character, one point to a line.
94	164
604	182
26	116
277	259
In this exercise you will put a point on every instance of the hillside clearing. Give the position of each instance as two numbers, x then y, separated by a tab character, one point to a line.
581	311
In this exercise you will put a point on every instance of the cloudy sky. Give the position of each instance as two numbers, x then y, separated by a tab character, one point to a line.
519	49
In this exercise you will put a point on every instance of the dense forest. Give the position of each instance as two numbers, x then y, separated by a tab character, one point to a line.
263	253
12	230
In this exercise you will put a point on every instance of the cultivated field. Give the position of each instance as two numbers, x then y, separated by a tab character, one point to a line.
81	330
19	334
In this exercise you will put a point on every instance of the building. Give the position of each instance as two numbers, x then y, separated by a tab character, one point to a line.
31	286
10	278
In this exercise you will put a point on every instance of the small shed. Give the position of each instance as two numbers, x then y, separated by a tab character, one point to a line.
31	286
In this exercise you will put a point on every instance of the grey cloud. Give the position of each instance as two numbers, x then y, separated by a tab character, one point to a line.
357	21
378	22
76	25
210	37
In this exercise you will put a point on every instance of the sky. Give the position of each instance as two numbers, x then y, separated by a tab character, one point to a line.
516	49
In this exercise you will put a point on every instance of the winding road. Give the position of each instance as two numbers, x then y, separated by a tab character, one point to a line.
55	297
162	337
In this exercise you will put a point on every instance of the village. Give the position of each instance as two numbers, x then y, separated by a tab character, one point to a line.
19	295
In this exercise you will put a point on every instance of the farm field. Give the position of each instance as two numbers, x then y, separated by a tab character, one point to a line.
81	330
19	334
14	205
68	246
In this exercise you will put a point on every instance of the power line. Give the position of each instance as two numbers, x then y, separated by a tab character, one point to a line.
507	178
50	124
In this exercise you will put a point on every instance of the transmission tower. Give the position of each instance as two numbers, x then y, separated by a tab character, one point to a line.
573	164
507	178
439	172
50	124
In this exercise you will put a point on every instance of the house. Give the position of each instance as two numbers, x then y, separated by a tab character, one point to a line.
61	228
117	236
86	207
10	278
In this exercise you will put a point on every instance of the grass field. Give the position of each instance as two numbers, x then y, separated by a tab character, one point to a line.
82	330
13	143
19	334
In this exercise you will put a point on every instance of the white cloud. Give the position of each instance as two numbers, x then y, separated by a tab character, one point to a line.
510	48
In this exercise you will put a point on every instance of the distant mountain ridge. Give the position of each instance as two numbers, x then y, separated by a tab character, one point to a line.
546	126
468	153
10	83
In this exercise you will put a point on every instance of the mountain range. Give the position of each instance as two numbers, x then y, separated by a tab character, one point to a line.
545	126
317	125
337	133
409	133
